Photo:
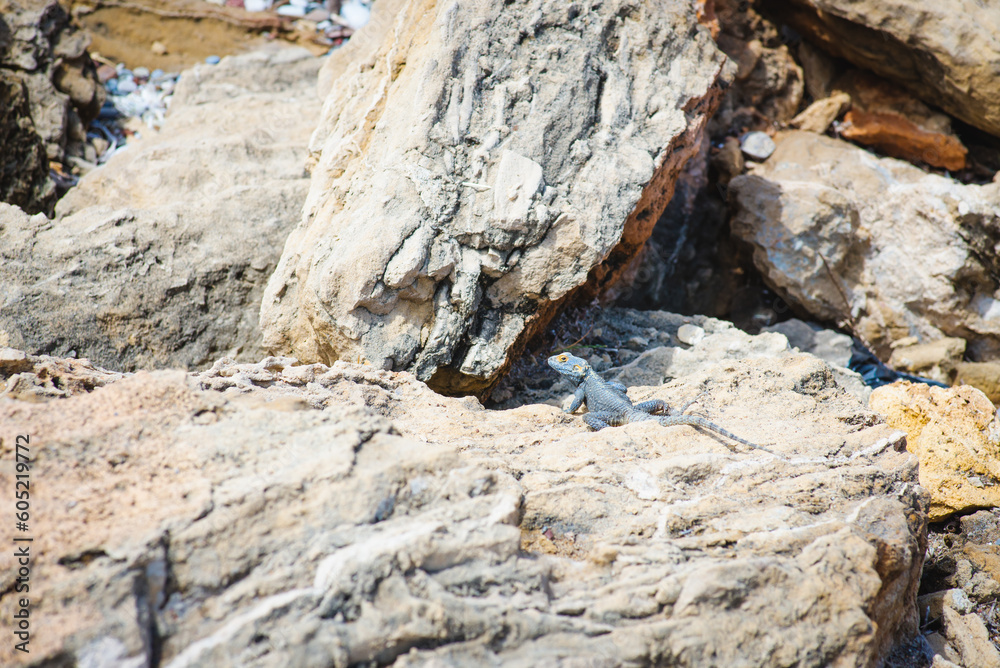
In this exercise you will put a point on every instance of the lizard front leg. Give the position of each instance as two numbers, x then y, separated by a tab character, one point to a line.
578	398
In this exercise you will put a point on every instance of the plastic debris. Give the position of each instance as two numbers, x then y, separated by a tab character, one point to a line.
876	374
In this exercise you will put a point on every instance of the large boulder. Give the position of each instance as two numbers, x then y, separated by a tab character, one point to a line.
475	168
875	244
278	514
160	257
945	51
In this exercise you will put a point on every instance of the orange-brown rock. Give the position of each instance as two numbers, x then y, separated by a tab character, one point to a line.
900	137
890	119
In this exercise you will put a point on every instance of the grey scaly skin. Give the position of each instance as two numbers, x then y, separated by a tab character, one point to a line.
608	404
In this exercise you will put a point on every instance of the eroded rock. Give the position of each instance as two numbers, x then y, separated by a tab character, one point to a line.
283	514
955	434
874	243
160	257
469	179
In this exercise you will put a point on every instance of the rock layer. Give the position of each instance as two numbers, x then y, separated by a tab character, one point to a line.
874	243
159	258
475	168
945	52
282	514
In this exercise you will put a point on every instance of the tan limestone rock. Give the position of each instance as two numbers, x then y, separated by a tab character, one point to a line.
292	514
818	115
984	376
938	360
468	179
955	434
159	257
874	244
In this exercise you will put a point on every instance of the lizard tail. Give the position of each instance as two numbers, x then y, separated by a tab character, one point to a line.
695	421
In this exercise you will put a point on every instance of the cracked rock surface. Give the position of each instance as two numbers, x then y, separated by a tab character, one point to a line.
136	269
874	242
474	167
285	514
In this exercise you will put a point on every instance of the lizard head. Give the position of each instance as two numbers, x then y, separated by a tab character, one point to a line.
569	365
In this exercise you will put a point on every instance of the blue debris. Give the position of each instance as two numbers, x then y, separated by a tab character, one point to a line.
876	374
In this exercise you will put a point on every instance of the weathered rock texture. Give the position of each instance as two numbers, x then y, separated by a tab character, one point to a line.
955	434
889	119
160	257
475	168
874	243
946	52
48	94
277	514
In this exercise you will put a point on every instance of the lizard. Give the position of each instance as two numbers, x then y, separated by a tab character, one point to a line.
608	404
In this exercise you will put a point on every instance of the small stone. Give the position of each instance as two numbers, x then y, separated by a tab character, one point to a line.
105	73
126	86
757	145
637	343
159	48
100	145
818	115
213	60
930	605
141	72
291	10
318	15
690	334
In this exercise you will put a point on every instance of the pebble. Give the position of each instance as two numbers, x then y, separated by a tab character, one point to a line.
690	334
257	5
757	145
213	60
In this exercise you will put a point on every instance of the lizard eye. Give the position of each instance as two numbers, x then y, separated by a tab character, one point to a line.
562	358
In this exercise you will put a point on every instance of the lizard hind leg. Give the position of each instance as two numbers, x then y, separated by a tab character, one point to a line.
598	420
